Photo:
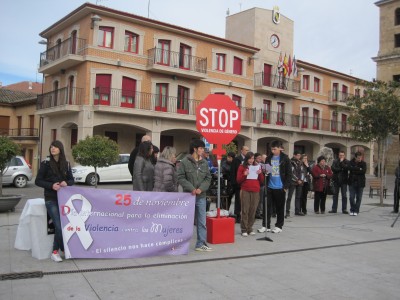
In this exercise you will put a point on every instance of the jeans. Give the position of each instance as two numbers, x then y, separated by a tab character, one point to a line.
355	193
200	215
54	213
343	191
297	202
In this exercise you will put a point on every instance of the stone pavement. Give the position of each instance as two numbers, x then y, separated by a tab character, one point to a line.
331	256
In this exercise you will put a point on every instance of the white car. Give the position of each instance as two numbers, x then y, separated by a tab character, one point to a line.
117	172
18	172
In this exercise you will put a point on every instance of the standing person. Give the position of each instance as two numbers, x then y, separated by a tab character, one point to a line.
357	168
154	155
340	170
54	174
277	184
143	169
321	174
396	190
250	193
194	177
165	178
260	159
296	184
236	187
306	184
134	153
226	165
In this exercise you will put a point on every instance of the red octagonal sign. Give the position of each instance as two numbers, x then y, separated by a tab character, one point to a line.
218	119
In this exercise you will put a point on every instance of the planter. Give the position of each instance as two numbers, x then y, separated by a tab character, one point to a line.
9	202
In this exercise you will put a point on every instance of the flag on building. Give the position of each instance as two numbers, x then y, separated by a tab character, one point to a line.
294	66
285	66
289	66
280	64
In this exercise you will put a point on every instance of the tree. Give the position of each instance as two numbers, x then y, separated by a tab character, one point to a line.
231	147
96	151
375	116
8	149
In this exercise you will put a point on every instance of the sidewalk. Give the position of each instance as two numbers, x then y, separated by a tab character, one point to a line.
331	256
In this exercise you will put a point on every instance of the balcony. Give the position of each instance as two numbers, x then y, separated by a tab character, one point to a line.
276	84
136	101
177	64
65	55
20	133
61	97
338	98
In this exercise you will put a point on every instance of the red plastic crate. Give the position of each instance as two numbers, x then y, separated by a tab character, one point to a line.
220	230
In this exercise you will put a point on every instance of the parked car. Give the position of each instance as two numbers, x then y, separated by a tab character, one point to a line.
18	172
117	172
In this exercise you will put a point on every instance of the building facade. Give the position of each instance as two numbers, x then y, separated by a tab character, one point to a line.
120	75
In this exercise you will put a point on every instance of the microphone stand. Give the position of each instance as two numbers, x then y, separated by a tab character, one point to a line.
265	238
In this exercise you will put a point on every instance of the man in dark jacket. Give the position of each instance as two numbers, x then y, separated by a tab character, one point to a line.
340	169
134	153
357	168
296	184
236	187
277	185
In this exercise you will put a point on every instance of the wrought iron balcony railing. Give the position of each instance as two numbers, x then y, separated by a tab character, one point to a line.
19	132
336	96
179	60
63	96
275	81
75	46
145	101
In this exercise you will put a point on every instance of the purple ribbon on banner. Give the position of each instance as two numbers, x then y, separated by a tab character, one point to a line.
102	223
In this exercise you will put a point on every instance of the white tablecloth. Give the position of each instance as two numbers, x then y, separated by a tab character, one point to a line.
32	230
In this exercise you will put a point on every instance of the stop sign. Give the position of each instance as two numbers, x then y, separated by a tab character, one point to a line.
218	119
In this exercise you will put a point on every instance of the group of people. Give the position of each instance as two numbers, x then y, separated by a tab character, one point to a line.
252	177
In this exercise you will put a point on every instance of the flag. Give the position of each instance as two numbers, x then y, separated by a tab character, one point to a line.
285	66
289	66
294	66
280	64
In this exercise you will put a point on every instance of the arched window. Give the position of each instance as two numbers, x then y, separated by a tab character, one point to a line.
397	16
71	90
73	42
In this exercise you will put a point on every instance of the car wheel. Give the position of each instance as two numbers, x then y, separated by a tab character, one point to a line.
20	181
91	179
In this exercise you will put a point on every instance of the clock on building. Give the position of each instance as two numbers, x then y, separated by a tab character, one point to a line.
274	39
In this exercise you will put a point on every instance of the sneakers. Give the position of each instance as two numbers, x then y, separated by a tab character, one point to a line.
351	213
355	214
244	234
276	230
204	248
252	233
55	256
262	229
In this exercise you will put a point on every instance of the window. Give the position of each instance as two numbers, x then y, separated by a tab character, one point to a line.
73	42
315	119
397	40
19	124
335	91
102	89
267	75
74	136
55	93
70	90
281	114
53	134
161	96
266	113
316	84
397	16
396	78
163	52
306	82
183	100
31	125
357	92
58	49
238	100
221	62
128	92
237	66
334	121
345	92
131	42
185	53
304	120
344	123
105	37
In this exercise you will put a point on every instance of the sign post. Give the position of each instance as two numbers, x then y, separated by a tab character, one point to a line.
218	120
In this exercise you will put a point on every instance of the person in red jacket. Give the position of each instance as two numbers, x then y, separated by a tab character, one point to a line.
250	178
321	173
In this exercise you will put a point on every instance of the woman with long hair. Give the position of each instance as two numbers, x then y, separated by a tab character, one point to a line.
143	169
165	178
54	174
250	192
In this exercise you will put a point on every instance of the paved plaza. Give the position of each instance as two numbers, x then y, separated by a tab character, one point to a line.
331	256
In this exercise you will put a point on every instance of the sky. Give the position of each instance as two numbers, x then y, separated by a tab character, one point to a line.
341	35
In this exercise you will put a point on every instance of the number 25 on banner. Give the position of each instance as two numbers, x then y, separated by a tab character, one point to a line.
125	199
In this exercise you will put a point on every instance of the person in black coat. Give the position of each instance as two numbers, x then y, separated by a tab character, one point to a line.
340	170
357	168
54	174
396	190
135	152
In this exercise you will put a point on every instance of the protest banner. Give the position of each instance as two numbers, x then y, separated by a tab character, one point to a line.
102	223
